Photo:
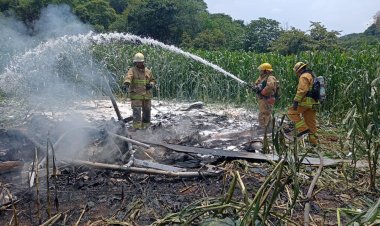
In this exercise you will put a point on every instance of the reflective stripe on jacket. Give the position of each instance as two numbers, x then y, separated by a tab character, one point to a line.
138	78
305	84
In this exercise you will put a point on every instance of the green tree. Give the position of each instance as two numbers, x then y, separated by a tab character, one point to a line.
154	18
5	5
323	39
187	41
28	10
167	20
96	12
71	3
118	5
374	29
121	23
292	41
232	30
360	41
188	19
210	40
260	34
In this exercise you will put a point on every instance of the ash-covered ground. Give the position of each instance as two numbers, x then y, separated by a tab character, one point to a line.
100	194
99	178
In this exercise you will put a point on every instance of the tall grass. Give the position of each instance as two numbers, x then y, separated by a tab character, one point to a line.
363	121
185	79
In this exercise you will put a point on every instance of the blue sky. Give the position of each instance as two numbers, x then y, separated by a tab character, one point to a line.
347	16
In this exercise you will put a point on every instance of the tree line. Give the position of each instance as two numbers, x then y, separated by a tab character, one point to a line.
188	24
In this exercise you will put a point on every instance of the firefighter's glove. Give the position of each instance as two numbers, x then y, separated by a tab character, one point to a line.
126	87
149	86
252	87
258	89
295	105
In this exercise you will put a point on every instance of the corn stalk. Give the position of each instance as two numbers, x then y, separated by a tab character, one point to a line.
363	122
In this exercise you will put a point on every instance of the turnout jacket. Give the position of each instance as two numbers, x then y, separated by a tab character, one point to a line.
138	79
305	84
270	86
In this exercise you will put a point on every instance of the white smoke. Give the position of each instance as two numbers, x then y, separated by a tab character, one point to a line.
55	21
49	74
39	66
14	39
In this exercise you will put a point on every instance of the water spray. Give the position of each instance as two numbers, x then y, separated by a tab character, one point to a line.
12	72
16	71
112	37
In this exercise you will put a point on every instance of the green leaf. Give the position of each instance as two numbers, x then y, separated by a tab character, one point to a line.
349	115
372	213
375	82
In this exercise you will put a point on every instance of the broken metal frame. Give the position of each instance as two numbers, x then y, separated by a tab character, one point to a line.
146	170
248	155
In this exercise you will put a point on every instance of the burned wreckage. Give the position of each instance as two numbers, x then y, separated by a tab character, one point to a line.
98	169
68	157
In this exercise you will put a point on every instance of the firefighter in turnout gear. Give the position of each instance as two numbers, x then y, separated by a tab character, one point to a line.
139	82
265	87
303	112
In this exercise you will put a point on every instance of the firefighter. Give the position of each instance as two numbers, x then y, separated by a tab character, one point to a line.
265	87
303	112
139	82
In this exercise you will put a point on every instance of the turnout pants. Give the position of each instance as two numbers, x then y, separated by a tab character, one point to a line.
305	121
141	113
265	112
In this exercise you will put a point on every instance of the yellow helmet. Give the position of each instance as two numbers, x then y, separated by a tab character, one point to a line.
139	57
299	66
265	67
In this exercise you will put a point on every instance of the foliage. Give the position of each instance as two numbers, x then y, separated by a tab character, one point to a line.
121	24
28	11
368	217
358	41
230	31
363	120
155	19
4	5
260	34
188	24
324	40
189	18
292	41
182	78
97	12
374	29
118	5
166	21
209	40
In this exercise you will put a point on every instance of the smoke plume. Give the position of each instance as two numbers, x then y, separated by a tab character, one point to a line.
47	70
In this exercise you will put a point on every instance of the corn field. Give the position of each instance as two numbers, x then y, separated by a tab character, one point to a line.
185	79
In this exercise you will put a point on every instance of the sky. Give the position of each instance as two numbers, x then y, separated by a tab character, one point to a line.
346	16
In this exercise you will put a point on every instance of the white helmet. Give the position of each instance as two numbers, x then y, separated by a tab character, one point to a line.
139	57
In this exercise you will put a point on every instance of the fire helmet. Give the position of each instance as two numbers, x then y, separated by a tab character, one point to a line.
298	66
265	67
139	57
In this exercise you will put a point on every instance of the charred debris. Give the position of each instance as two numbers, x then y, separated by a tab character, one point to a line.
80	171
